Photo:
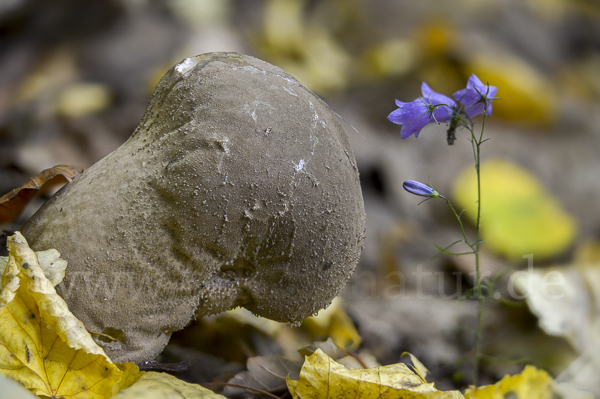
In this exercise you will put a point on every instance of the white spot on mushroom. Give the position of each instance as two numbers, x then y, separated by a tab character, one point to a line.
262	107
300	165
252	69
289	91
185	65
287	79
316	119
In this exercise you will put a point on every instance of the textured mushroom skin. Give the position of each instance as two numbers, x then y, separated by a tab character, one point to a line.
238	188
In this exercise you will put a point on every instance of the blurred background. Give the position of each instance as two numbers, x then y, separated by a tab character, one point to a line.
75	79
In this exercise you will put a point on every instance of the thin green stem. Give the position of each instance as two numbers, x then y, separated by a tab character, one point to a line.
445	251
480	299
462	227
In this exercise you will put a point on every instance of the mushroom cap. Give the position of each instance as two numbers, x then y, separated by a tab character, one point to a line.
238	188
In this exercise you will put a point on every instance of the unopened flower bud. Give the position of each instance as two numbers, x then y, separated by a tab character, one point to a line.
420	189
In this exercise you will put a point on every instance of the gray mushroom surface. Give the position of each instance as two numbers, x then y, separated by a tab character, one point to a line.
238	188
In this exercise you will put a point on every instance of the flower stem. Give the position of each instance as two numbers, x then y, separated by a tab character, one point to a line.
462	227
480	299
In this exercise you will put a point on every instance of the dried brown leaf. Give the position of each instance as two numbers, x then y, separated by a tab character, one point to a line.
13	203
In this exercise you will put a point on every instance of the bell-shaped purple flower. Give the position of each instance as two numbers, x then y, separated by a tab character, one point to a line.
414	116
477	97
420	189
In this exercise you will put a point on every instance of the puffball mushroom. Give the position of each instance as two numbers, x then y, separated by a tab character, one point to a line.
238	188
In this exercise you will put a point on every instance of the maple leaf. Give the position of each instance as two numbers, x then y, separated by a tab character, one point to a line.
42	345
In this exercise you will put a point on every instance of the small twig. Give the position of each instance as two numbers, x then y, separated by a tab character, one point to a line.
102	335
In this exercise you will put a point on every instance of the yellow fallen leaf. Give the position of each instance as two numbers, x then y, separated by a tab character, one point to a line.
333	322
244	316
42	345
527	96
530	384
53	266
82	99
322	377
283	25
153	385
393	58
518	216
435	37
309	52
50	73
50	262
418	367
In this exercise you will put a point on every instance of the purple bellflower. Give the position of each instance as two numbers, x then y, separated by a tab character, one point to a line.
420	189
432	107
476	97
